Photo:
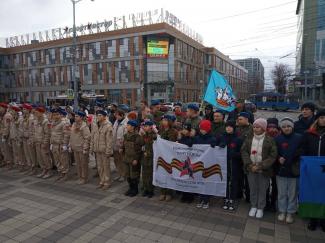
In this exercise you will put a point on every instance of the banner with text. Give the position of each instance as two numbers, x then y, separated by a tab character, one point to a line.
197	169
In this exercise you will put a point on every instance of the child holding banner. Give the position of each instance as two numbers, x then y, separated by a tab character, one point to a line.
186	138
205	137
258	153
314	145
167	132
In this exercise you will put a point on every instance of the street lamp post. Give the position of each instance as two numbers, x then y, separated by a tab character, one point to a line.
306	91
74	64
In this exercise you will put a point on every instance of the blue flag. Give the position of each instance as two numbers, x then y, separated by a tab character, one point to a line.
311	188
219	92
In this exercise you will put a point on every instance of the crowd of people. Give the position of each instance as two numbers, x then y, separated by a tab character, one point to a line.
263	155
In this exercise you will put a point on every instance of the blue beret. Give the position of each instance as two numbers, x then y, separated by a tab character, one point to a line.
243	114
178	104
63	112
169	117
81	113
55	110
193	107
34	106
148	123
133	123
155	102
99	104
101	112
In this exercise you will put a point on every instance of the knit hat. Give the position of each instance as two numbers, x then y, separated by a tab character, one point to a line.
287	122
260	122
243	114
81	113
132	115
209	107
133	123
231	123
205	125
320	113
193	107
27	106
187	126
101	112
309	105
272	122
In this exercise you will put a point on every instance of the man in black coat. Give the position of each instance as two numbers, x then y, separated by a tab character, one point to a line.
306	119
240	107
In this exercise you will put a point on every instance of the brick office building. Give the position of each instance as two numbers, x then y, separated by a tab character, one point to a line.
116	64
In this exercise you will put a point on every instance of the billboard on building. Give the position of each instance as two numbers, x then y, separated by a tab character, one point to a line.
157	48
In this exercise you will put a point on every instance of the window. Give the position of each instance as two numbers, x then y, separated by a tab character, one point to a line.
111	48
323	50
317	51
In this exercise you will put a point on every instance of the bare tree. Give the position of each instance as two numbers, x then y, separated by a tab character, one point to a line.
281	74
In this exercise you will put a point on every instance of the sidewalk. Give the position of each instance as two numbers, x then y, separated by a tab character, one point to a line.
36	210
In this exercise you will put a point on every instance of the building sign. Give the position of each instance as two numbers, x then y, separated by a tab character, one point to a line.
157	48
122	22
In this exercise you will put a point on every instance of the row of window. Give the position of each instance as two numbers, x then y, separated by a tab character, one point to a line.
99	73
86	52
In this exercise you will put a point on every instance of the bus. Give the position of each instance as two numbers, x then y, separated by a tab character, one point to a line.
274	101
85	99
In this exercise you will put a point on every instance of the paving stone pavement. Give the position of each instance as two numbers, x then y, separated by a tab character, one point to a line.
36	210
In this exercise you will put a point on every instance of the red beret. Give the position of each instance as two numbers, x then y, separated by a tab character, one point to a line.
41	109
27	106
4	105
15	108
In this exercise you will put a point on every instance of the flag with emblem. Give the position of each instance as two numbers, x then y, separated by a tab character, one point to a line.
311	188
219	92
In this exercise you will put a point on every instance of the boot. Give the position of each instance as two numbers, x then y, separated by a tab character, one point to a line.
134	188
128	192
312	225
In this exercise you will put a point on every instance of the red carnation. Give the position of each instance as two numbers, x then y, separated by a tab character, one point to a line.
285	145
232	145
254	152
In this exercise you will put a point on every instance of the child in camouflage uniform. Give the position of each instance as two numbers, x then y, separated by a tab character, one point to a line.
147	138
131	156
167	132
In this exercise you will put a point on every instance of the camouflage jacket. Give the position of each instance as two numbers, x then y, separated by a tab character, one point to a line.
169	134
132	147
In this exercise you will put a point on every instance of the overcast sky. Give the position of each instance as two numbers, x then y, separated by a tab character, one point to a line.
252	28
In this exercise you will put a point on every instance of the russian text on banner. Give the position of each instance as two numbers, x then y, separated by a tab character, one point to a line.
312	187
197	169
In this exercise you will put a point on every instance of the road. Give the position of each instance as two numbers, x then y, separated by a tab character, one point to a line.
278	114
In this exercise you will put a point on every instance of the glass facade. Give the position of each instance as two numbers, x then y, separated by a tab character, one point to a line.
321	15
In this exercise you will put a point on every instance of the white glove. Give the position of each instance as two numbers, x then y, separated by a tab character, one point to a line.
70	150
3	140
65	147
51	147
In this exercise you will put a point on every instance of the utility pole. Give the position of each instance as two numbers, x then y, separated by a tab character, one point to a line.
74	64
306	91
